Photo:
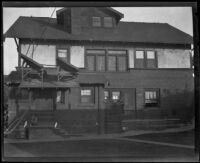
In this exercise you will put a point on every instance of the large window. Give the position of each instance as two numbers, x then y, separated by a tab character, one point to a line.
152	97
108	22
117	60
87	95
145	59
96	21
95	60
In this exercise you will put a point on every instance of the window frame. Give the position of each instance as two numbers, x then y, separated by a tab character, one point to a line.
157	90
68	53
62	96
100	20
92	89
145	60
111	21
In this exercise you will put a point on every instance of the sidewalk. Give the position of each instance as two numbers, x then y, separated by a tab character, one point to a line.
103	136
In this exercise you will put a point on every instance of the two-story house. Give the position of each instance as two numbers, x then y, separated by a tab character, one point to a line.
87	55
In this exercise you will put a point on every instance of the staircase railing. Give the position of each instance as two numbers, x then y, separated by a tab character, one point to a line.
15	124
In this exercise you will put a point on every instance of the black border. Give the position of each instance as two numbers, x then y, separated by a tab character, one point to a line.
192	4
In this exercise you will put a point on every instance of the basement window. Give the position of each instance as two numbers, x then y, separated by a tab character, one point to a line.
152	97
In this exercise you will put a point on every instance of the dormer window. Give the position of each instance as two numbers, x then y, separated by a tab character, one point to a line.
108	22
96	21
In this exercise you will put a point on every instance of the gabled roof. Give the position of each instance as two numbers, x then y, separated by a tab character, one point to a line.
135	32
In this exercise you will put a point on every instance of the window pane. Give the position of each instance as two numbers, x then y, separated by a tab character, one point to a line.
100	63
151	98
116	52
115	95
139	54
112	63
90	63
62	53
58	98
150	55
86	92
96	21
95	51
122	63
108	22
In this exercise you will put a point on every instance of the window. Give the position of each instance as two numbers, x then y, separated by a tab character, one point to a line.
96	21
95	60
139	59
87	95
90	62
115	95
60	98
62	53
117	60
108	22
152	97
151	59
106	95
145	60
112	63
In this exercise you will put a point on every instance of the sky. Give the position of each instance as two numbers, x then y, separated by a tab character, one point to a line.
179	17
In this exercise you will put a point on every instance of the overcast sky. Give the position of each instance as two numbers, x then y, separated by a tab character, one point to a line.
179	17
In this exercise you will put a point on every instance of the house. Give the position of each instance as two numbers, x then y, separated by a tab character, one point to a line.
87	55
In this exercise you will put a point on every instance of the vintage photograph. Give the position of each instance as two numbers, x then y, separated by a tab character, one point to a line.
98	84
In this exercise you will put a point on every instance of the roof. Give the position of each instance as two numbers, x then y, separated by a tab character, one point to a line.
135	32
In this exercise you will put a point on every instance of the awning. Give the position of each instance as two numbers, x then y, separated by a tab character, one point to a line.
52	84
66	66
33	64
91	79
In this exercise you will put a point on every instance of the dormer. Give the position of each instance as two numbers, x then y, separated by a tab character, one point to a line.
76	20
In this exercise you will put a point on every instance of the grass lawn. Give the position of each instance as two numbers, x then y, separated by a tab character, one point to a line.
185	138
95	148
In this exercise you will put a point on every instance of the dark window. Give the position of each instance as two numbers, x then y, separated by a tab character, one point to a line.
152	97
60	98
90	62
151	59
95	60
87	95
108	22
117	60
96	21
139	59
112	63
122	65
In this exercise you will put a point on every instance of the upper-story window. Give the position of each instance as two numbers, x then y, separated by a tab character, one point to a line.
145	59
95	60
117	60
96	21
108	21
62	53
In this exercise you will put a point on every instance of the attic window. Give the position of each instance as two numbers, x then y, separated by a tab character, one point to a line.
108	22
96	21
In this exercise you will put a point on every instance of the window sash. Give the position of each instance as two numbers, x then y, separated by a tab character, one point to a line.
108	22
122	63
100	62
152	97
139	54
90	59
115	95
112	63
87	95
96	21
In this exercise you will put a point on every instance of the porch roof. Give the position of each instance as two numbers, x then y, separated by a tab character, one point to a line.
52	84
